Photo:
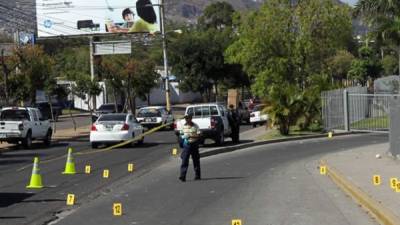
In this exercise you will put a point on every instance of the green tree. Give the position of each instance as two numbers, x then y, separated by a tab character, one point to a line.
86	89
34	70
283	46
390	65
340	64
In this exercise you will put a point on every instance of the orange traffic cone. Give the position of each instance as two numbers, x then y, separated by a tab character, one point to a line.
69	165
36	178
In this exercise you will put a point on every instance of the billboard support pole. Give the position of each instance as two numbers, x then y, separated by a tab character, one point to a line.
92	69
164	41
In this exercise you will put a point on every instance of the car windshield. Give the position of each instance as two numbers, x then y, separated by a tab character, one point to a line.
112	117
107	107
149	113
14	115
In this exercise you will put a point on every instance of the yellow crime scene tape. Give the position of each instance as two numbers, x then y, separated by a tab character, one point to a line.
90	151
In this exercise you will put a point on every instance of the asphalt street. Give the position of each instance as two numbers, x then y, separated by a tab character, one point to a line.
21	206
266	185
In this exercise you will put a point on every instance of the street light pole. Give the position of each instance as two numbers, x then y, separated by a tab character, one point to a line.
164	40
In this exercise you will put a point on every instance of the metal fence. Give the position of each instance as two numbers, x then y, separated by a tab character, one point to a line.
345	109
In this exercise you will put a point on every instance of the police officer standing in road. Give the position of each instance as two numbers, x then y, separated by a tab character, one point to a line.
190	137
234	122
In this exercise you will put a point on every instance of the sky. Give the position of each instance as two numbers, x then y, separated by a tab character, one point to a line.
351	2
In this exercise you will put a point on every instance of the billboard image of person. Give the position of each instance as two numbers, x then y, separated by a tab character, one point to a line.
83	17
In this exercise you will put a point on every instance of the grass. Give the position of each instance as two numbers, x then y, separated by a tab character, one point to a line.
377	122
274	134
73	111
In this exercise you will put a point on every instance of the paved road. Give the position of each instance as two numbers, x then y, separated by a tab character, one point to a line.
267	185
20	206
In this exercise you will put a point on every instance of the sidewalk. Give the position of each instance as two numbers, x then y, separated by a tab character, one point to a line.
353	171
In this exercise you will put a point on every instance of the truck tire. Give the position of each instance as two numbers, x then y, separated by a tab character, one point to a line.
47	139
27	142
95	145
221	138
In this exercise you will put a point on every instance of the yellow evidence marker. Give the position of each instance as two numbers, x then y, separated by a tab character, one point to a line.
398	187
236	222
393	182
330	135
88	169
70	199
322	170
377	180
106	173
174	151
131	167
117	209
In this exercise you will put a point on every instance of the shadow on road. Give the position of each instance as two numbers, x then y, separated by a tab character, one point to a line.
8	199
7	162
228	143
16	155
221	178
11	217
44	200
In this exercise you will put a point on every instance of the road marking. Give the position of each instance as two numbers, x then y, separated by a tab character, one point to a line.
87	169
106	173
70	199
131	167
393	182
322	170
377	180
117	209
236	222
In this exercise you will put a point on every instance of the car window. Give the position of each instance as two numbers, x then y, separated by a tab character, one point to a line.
197	112
35	116
222	110
112	117
214	111
40	115
190	111
14	115
149	112
107	107
131	118
205	111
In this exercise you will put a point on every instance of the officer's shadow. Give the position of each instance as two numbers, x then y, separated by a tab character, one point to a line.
221	178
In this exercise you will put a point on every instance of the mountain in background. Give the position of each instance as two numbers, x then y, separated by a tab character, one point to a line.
20	14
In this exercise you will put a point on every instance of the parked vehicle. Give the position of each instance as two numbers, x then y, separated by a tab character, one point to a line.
106	109
115	128
212	120
20	125
44	108
244	113
258	116
154	116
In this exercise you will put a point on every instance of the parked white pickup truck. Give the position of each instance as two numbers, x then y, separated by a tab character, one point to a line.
22	125
212	120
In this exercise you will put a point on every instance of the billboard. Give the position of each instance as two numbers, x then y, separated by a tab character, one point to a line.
85	17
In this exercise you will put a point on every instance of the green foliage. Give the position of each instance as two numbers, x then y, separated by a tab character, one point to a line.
390	65
285	48
35	70
218	16
340	64
365	67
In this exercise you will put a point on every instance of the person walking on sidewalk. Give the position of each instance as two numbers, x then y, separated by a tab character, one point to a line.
190	137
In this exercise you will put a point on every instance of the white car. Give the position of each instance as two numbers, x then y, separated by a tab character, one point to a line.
257	116
212	119
154	116
24	124
115	128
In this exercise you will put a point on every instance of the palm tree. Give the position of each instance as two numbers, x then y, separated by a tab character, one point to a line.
383	17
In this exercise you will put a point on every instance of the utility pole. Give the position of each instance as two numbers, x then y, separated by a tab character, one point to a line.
164	40
92	70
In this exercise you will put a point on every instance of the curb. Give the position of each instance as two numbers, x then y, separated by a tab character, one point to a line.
381	213
220	150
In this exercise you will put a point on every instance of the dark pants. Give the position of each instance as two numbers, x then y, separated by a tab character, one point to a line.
190	150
